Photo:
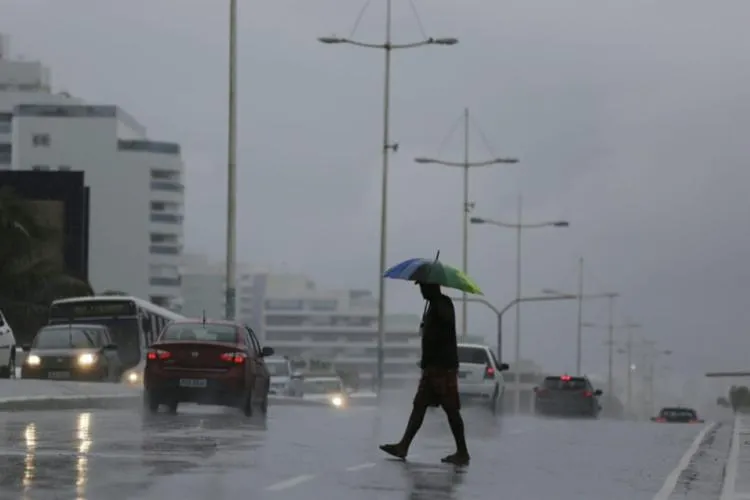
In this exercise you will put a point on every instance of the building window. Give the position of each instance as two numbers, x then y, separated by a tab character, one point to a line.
158	206
164	175
64	168
40	167
164	238
40	140
323	305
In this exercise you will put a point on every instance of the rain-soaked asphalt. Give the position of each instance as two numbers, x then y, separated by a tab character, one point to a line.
320	453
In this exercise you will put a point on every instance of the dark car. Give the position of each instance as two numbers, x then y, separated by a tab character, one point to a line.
678	415
567	396
207	362
72	352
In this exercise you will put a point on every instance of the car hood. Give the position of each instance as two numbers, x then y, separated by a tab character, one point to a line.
62	352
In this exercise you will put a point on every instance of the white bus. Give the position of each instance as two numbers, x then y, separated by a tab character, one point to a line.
133	323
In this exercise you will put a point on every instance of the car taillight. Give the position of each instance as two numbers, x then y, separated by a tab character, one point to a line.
587	394
565	378
489	372
234	357
158	354
540	391
661	419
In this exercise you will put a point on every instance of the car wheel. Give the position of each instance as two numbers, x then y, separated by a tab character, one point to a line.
172	407
495	401
264	403
247	404
8	371
150	402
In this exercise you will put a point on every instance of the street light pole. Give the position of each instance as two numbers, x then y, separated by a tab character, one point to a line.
579	330
465	223
231	264
388	46
468	206
611	346
519	226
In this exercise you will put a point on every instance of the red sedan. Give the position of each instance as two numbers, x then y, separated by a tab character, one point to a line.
207	362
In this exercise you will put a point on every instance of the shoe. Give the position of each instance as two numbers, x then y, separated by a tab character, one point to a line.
459	459
394	450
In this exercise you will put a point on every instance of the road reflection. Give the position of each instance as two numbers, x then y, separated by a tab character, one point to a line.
432	481
29	461
84	444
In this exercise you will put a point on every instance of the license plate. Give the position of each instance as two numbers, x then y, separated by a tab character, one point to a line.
192	382
58	375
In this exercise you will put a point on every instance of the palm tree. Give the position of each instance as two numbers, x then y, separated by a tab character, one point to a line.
29	279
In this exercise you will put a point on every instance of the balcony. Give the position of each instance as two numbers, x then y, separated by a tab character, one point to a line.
171	186
165	218
161	281
165	249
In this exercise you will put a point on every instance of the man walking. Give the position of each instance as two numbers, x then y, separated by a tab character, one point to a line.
438	385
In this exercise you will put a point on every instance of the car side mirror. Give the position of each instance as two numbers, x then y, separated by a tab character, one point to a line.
598	392
26	347
110	347
266	351
504	367
536	389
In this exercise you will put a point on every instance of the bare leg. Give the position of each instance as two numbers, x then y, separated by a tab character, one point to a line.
401	449
461	457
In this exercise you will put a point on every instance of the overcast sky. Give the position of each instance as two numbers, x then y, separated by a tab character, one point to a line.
631	120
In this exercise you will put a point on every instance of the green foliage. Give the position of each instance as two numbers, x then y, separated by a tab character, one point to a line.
29	280
739	398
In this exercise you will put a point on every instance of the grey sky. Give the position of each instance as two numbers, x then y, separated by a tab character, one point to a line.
630	118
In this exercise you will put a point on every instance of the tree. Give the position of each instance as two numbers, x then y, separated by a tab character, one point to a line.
30	279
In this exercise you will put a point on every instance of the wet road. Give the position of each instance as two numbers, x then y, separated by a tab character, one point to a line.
308	452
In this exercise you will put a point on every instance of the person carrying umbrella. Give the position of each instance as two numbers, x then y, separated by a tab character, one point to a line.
438	385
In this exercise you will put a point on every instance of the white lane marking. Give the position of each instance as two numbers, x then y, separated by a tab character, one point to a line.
290	483
671	482
730	478
355	468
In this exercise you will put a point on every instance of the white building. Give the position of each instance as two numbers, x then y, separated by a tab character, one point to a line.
136	184
290	314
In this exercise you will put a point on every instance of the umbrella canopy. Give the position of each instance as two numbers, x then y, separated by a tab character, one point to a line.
434	272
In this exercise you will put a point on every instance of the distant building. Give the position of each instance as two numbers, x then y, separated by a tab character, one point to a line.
61	201
137	190
292	315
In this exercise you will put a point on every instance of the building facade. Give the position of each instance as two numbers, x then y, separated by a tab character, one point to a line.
137	190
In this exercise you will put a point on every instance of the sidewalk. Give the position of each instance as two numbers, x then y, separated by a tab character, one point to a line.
737	478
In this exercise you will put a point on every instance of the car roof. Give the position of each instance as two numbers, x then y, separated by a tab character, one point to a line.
473	346
66	326
192	321
677	408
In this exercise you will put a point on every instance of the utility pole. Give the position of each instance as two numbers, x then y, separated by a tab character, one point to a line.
611	347
579	333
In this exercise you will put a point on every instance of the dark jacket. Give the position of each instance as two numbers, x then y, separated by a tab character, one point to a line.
439	344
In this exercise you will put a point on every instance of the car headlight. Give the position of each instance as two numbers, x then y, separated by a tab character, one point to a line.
132	377
86	359
33	360
337	401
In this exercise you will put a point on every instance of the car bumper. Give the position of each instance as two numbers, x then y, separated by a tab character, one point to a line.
566	409
476	391
228	391
97	374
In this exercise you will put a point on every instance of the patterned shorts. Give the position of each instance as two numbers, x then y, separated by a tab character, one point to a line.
438	387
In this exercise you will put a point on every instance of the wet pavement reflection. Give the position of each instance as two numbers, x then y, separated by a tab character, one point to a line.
308	452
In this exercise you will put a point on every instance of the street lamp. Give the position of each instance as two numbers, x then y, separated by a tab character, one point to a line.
388	46
519	227
466	165
231	264
628	350
581	297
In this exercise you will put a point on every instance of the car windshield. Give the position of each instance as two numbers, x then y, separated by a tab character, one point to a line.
677	413
322	386
65	337
278	368
565	383
201	332
472	355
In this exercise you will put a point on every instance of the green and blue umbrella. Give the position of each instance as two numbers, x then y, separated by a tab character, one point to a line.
434	272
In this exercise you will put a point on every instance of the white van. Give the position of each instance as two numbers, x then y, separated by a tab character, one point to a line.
7	349
280	370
